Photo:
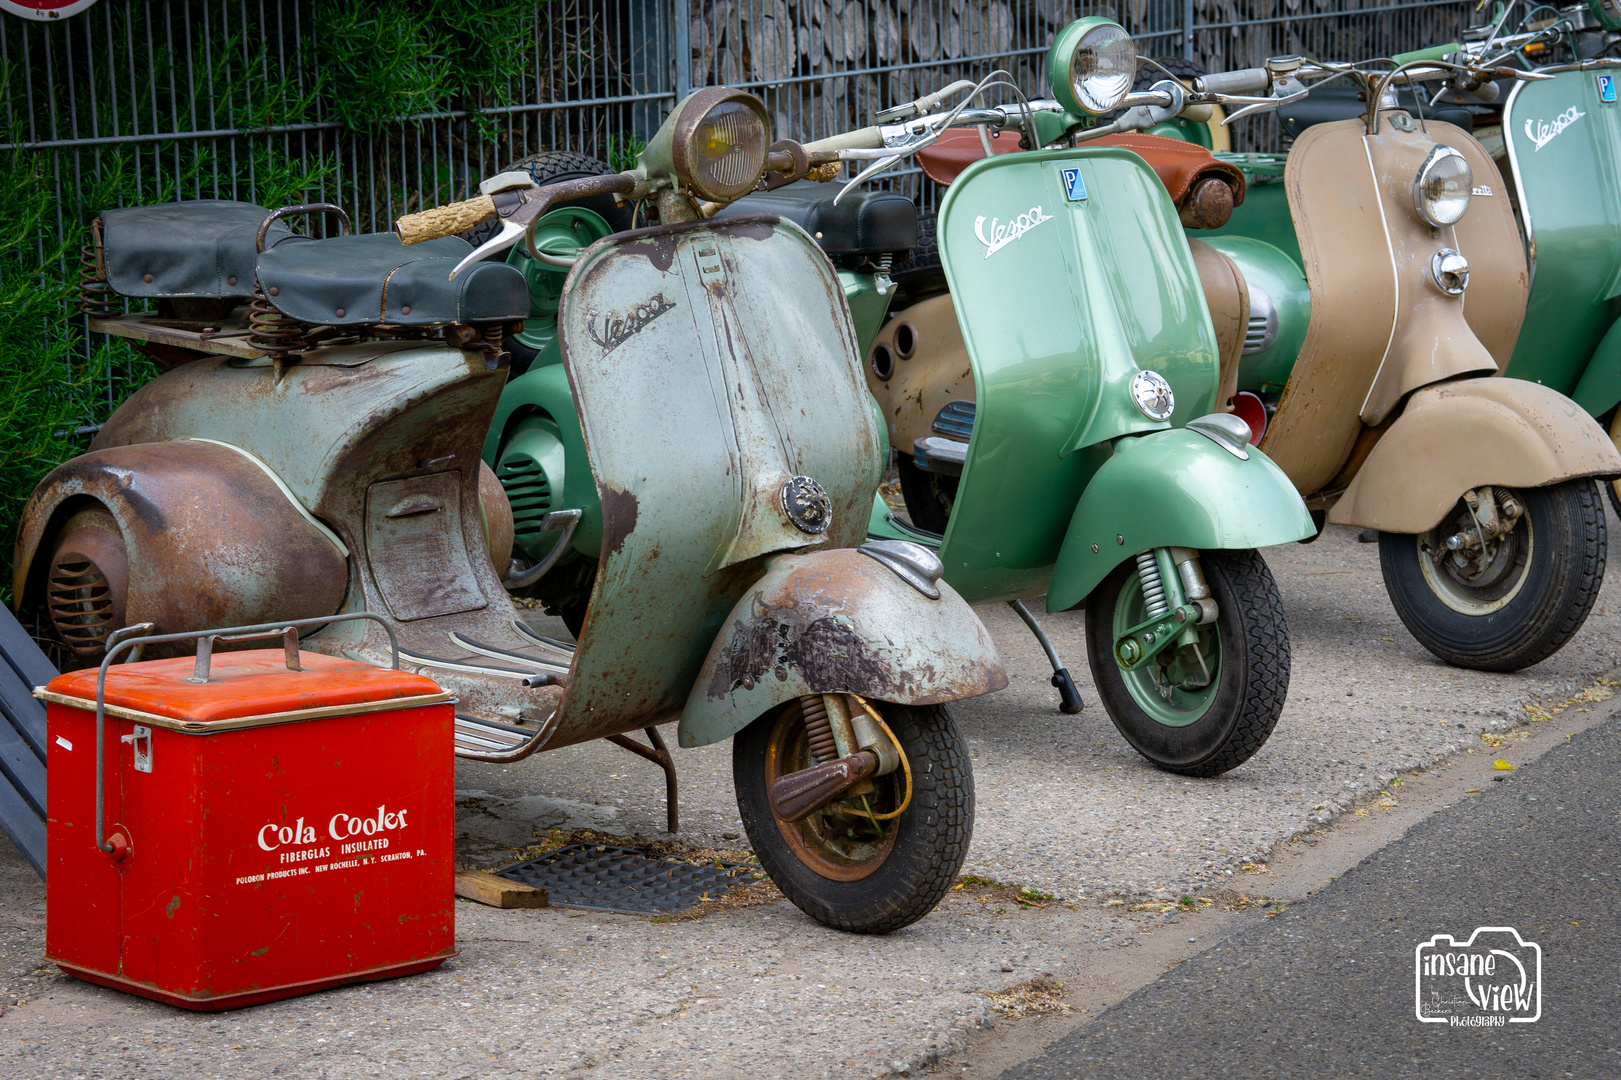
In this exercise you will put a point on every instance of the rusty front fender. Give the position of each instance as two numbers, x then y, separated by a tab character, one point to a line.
212	539
837	622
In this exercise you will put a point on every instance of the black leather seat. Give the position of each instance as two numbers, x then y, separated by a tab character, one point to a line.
373	278
863	222
203	249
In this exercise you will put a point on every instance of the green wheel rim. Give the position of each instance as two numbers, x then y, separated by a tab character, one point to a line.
1184	706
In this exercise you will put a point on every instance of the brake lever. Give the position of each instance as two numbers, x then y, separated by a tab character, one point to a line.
1258	105
506	237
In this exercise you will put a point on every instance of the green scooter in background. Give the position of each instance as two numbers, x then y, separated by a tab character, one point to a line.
1071	446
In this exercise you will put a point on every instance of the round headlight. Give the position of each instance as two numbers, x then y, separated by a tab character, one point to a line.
1441	192
1091	65
721	142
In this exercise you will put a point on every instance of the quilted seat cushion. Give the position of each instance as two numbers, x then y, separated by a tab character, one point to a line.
204	248
863	222
373	278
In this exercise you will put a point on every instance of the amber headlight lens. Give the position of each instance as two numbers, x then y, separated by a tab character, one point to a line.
1441	192
723	153
1102	68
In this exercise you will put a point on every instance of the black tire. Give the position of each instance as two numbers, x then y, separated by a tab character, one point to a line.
1252	678
928	496
930	839
1556	590
554	167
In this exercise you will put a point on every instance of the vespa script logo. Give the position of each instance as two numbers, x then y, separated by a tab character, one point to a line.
1002	235
1542	132
618	329
1492	979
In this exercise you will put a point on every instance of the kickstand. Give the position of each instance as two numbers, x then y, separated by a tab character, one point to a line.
1069	698
659	755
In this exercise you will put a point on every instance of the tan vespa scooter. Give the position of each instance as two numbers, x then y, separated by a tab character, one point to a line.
1491	529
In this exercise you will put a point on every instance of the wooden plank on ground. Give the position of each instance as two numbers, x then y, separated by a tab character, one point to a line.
498	891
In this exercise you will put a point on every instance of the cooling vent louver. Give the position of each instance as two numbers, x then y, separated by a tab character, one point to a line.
530	493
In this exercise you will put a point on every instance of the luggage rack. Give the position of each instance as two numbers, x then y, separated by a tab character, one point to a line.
224	337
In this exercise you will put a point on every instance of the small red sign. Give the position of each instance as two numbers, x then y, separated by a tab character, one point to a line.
45	9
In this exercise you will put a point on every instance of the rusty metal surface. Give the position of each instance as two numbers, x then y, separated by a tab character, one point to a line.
711	364
211	539
416	546
838	622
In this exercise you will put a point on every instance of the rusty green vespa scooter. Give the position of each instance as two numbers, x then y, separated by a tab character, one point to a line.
321	465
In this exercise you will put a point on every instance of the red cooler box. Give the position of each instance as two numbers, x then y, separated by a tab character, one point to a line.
274	831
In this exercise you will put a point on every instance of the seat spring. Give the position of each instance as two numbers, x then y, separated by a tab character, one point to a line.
96	297
818	728
1153	586
270	331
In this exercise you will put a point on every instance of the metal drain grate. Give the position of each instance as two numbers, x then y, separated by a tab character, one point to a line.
629	882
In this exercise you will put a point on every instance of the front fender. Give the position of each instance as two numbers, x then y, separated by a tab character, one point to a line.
1460	435
837	622
1173	489
212	538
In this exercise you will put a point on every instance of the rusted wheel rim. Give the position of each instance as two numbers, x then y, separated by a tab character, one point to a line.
835	845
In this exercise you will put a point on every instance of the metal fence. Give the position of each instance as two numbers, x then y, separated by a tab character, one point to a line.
168	99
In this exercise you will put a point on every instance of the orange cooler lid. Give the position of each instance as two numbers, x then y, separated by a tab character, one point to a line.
246	684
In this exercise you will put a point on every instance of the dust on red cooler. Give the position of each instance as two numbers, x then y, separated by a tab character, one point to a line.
275	831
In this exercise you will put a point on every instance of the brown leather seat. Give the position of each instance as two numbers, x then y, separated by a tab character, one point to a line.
1181	166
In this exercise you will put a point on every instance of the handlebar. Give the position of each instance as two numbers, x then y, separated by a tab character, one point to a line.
444	220
1242	81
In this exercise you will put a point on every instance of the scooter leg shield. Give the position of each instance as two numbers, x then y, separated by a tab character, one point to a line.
1173	488
206	536
838	622
1460	435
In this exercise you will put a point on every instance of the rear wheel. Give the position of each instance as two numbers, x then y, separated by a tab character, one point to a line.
840	867
1196	710
1512	602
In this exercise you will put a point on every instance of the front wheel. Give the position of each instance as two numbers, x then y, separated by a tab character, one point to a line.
839	866
1203	708
1501	602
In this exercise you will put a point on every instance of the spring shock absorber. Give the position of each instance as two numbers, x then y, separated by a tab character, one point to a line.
818	728
96	297
270	331
1153	586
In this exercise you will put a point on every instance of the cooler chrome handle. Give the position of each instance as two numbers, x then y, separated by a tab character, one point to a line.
134	638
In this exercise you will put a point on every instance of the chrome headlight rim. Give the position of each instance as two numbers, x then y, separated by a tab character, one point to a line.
694	111
1424	203
1087	37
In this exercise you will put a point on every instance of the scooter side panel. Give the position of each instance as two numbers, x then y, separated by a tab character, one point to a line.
1061	300
1173	489
1564	145
1335	204
710	364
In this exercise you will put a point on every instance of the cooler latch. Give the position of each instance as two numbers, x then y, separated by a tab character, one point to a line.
142	741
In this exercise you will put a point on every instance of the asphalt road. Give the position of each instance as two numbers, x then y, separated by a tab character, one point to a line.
1327	988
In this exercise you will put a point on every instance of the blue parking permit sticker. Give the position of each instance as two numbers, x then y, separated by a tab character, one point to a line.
1606	87
1074	186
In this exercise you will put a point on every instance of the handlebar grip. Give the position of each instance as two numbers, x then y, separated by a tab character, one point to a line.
867	138
444	220
1242	81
